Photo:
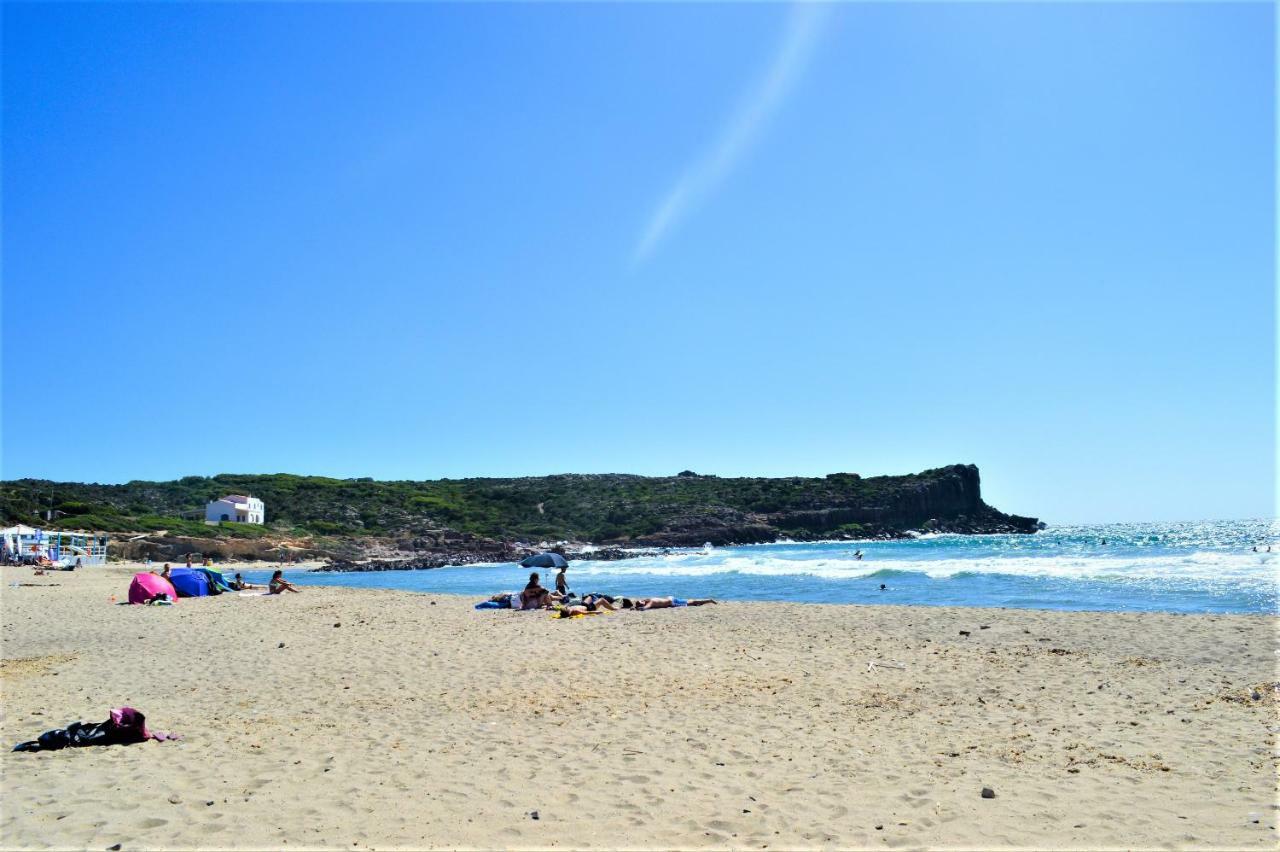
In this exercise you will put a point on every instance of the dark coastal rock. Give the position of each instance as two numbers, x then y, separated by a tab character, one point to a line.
988	793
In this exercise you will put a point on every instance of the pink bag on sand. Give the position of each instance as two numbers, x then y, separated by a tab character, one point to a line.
132	726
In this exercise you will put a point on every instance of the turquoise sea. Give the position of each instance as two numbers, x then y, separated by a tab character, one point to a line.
1178	567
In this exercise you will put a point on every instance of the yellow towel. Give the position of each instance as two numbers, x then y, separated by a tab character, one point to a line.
582	614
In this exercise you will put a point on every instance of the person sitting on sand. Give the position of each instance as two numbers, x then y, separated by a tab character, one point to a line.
279	584
238	584
164	572
663	602
536	597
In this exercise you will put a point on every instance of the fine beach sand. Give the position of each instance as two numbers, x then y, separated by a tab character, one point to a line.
420	722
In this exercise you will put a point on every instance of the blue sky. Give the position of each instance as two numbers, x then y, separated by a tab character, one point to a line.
415	241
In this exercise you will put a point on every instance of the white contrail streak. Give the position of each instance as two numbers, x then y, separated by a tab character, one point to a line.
760	102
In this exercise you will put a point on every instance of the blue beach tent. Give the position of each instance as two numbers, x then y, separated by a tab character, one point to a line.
189	582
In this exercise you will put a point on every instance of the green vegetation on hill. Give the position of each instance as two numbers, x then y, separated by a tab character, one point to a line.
591	507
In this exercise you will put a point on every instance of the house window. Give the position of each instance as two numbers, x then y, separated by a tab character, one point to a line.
226	517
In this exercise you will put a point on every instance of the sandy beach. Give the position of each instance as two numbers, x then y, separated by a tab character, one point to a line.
357	719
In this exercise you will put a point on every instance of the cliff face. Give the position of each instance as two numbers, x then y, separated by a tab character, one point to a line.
948	500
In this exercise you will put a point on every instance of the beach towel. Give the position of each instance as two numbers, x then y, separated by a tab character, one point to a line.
556	614
123	726
146	586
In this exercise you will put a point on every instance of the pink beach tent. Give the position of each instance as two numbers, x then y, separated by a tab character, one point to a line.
146	586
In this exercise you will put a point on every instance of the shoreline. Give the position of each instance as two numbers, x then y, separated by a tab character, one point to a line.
312	576
358	718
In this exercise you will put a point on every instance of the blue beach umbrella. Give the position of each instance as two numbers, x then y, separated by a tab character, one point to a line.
544	560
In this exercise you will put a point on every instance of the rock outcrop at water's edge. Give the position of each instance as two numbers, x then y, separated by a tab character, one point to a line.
950	501
363	524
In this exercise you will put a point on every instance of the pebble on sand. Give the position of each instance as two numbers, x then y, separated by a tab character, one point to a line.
988	793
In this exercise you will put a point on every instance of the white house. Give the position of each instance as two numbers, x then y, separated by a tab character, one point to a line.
235	507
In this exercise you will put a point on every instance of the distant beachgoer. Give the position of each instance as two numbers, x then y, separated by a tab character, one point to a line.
883	587
188	560
1104	541
279	584
208	562
164	572
562	582
857	554
79	563
664	602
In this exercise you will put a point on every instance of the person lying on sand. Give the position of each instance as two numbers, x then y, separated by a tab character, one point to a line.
663	602
590	605
570	610
279	584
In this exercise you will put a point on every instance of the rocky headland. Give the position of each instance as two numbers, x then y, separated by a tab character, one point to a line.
361	524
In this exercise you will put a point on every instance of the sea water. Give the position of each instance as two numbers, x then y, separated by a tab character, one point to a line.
1198	567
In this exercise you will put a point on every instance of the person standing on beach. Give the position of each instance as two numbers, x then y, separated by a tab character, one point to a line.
562	582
